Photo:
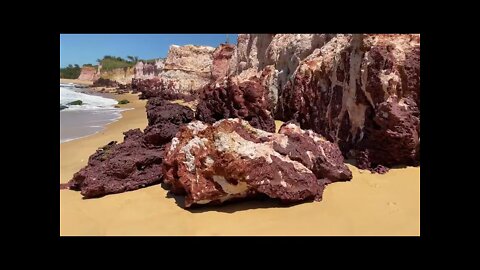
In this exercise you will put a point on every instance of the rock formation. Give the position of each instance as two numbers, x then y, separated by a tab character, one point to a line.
229	99
148	70
88	73
224	61
356	90
362	92
157	87
136	162
228	160
187	67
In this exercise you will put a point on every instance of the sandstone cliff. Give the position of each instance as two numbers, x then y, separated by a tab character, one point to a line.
89	74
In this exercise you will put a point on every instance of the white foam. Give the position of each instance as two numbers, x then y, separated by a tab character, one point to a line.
90	102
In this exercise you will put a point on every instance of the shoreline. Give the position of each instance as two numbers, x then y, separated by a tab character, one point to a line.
369	204
74	154
76	81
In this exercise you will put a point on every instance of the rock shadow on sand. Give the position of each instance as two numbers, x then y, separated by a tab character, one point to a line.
232	206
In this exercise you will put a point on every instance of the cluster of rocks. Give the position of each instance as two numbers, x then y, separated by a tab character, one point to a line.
119	87
136	162
342	96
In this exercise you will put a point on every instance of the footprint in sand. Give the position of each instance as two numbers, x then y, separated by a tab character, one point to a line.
393	207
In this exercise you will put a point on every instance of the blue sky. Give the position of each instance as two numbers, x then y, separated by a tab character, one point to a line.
87	48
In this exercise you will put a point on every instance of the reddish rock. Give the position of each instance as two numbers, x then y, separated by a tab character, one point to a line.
362	92
117	168
229	99
101	82
224	61
230	159
136	162
89	73
150	88
160	110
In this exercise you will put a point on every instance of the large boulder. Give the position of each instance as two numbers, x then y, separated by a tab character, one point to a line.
230	159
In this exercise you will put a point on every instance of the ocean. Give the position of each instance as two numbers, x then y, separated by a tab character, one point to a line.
78	121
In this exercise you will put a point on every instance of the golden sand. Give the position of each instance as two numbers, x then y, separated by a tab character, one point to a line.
370	204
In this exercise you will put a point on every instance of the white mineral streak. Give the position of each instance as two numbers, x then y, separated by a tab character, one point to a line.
208	161
234	143
355	111
230	188
174	144
189	158
367	59
196	126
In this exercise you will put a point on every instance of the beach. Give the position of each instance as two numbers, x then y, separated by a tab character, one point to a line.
369	204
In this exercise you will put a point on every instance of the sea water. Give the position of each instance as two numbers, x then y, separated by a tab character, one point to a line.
92	116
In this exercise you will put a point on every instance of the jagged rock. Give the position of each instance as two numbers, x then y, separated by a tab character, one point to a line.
230	159
362	92
148	70
120	167
160	110
134	163
187	67
101	82
150	88
229	99
224	61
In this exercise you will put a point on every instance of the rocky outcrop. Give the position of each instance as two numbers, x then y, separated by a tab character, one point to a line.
157	87
88	74
353	89
120	75
118	168
136	162
188	67
229	160
230	99
224	61
362	92
274	57
148	70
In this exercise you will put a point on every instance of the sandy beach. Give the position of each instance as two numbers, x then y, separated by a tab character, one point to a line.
370	204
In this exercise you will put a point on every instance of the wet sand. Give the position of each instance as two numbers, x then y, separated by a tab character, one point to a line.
370	204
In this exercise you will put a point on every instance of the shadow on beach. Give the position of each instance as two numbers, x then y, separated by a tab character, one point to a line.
231	206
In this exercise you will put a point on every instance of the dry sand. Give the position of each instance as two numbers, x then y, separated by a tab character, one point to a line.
370	204
76	81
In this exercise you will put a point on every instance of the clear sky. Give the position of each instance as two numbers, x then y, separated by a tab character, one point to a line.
87	48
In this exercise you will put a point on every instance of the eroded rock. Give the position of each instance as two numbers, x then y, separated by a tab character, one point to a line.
136	162
214	163
229	99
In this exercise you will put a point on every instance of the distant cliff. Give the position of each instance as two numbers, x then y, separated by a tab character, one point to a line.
89	73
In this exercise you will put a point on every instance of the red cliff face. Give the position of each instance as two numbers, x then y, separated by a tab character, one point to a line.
88	74
360	91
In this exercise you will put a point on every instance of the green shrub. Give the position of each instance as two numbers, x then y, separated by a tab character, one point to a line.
70	72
